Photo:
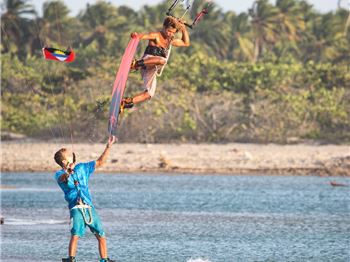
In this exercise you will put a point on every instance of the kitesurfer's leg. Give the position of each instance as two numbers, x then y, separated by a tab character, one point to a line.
141	97
129	102
148	62
149	76
154	60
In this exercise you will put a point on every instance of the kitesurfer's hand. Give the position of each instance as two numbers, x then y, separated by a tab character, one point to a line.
134	35
181	21
181	24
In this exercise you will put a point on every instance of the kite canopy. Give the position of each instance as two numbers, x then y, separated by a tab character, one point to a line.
58	55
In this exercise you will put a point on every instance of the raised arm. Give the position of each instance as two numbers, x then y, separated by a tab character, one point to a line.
144	36
185	39
102	159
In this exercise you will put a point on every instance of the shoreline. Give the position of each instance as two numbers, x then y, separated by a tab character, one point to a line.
231	158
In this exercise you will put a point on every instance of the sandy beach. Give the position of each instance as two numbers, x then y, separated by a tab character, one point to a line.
233	158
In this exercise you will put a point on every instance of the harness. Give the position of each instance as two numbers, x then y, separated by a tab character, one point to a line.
156	51
81	205
160	70
82	208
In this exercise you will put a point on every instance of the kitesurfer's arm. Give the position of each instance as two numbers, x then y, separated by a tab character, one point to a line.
102	159
185	39
144	36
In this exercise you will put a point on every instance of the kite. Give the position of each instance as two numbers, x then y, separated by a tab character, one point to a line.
58	55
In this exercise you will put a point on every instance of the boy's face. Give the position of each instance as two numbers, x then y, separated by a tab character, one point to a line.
170	32
68	159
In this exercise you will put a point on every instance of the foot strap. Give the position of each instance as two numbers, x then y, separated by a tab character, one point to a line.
140	63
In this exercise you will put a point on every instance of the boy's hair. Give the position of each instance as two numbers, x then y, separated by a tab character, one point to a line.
171	22
59	156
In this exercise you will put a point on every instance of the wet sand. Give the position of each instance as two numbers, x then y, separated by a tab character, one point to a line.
232	158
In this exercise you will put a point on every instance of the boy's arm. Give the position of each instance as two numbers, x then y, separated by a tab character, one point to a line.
64	177
102	159
185	39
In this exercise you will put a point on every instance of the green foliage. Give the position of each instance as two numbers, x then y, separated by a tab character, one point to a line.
276	73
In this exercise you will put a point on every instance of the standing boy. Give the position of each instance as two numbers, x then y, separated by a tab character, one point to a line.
73	180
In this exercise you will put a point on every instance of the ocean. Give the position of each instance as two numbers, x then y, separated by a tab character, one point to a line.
182	218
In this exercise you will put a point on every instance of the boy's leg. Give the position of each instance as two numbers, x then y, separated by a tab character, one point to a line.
102	246
97	230
77	231
72	249
73	245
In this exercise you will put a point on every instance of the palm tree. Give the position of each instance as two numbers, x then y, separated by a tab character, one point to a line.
341	31
324	38
345	5
308	12
151	17
55	24
14	24
291	19
292	27
108	23
265	26
212	33
241	45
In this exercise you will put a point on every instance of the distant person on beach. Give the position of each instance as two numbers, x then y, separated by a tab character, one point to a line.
156	56
73	180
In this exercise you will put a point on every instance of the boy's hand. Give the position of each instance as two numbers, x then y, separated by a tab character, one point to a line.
111	140
64	177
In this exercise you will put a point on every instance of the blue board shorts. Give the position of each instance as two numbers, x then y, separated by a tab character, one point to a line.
79	224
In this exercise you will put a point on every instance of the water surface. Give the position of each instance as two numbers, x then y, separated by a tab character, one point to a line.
176	218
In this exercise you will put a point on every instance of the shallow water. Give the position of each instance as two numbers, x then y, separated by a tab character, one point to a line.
180	218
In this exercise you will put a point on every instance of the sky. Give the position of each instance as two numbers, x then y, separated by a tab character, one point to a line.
236	5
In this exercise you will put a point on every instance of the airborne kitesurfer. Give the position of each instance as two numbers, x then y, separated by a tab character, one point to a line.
156	56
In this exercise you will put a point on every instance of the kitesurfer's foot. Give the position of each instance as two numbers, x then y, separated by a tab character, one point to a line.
127	102
69	259
134	65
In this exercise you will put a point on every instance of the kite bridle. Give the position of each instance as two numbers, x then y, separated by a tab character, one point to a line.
203	12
